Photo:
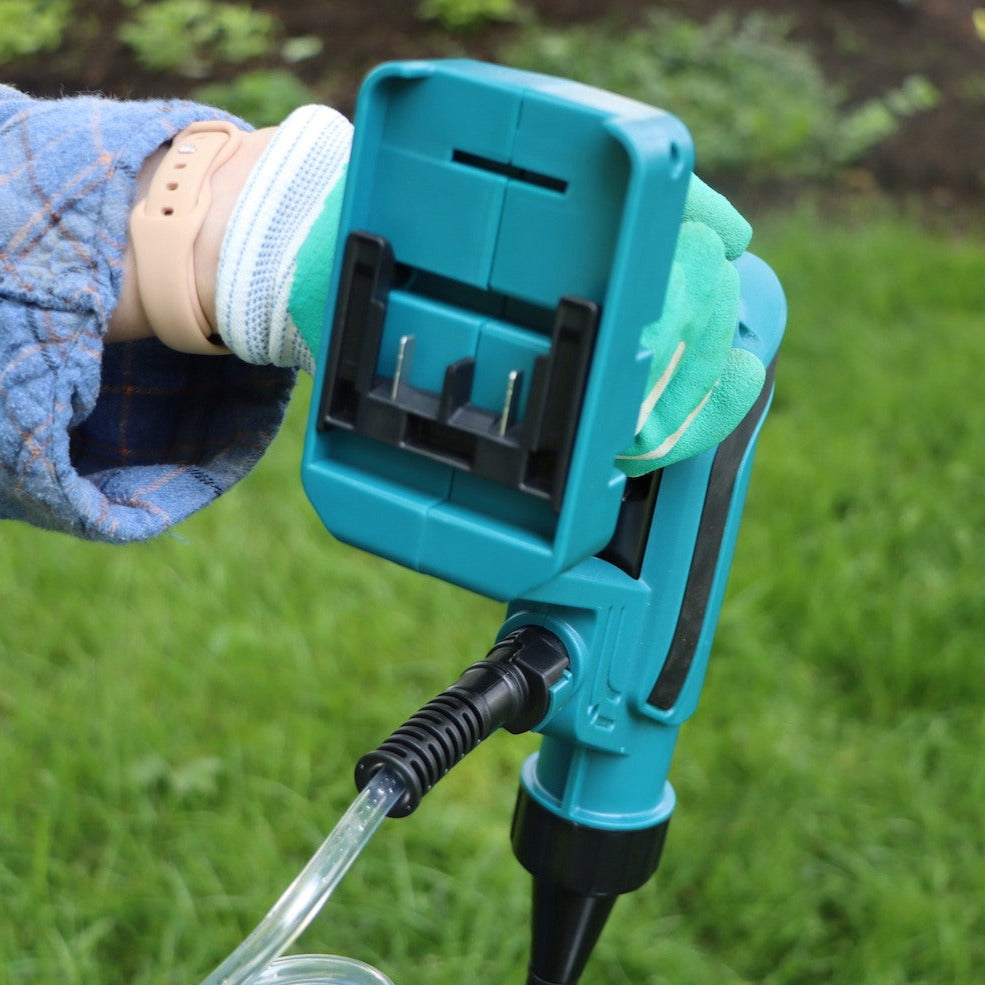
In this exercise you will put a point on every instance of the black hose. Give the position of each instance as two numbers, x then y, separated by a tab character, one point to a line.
509	689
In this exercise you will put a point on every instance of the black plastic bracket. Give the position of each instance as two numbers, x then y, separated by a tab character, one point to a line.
532	455
627	547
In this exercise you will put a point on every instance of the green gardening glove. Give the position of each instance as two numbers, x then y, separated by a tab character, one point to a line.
692	401
699	396
272	290
309	291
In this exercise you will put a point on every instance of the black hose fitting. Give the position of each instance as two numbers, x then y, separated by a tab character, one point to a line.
510	688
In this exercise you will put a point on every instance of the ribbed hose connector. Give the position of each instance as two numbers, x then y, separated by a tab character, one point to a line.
509	689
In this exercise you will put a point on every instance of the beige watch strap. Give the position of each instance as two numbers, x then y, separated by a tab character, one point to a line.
164	225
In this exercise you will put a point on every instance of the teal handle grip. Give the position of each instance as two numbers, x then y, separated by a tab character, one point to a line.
639	619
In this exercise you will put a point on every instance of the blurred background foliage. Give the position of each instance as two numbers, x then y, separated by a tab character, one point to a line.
757	101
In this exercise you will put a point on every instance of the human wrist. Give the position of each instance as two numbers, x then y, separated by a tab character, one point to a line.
130	320
164	227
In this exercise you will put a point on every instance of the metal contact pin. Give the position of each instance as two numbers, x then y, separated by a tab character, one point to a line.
405	359
510	401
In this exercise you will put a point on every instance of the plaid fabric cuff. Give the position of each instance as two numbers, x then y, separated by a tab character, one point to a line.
116	443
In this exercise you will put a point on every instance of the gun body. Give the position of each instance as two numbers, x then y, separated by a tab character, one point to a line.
507	236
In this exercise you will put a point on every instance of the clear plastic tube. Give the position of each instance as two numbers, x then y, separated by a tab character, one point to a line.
254	961
320	969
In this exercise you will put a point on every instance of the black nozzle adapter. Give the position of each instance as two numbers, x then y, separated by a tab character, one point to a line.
510	688
579	873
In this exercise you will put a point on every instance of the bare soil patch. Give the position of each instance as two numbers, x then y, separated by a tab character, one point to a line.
866	46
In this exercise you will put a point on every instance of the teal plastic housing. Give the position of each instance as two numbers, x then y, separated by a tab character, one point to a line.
506	236
639	640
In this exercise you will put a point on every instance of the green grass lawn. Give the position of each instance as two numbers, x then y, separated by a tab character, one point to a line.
179	720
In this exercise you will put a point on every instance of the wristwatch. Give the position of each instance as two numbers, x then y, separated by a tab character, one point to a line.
164	225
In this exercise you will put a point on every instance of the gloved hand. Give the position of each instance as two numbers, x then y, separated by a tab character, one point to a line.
272	290
696	397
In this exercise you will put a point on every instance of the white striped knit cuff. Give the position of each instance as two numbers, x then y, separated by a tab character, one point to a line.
272	217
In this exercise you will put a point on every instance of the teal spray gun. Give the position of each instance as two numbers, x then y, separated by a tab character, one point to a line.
505	236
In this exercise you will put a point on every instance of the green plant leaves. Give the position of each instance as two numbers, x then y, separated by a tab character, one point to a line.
32	26
756	102
190	37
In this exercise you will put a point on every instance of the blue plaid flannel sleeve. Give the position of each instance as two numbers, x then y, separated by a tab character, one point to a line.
113	443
